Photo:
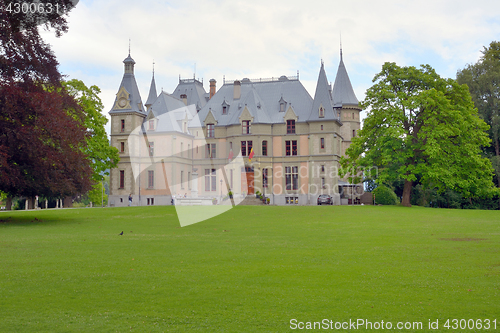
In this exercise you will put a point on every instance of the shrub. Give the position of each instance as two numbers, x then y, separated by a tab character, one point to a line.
385	196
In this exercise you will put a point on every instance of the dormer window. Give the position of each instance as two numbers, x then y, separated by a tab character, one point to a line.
321	112
225	107
151	125
290	126
210	131
282	104
245	127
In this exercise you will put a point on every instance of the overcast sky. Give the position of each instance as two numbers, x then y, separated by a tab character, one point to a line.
268	38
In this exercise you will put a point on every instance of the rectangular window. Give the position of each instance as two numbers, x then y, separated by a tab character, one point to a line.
151	179
210	131
321	112
353	133
210	180
214	180
123	125
246	147
152	201
151	148
322	143
207	180
264	148
231	173
151	125
290	126
291	148
295	178
210	150
322	168
264	177
288	178
182	179
323	184
122	147
224	110
122	178
246	127
292	178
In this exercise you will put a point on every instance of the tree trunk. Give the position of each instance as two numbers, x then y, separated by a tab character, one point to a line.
68	202
8	204
407	193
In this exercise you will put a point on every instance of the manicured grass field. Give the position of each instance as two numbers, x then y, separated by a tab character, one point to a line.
252	269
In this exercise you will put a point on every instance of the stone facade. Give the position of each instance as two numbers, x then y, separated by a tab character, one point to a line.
181	144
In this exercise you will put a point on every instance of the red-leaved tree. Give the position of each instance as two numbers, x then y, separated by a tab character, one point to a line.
41	125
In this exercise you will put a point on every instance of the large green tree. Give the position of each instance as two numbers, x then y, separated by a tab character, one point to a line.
483	80
102	156
420	125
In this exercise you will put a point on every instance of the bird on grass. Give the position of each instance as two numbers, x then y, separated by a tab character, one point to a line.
121	233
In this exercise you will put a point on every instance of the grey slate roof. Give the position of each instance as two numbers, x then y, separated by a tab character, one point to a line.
343	94
262	101
152	93
165	103
194	91
129	83
170	111
323	97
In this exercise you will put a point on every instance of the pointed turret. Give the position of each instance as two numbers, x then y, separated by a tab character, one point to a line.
322	107
343	94
347	105
128	98
152	93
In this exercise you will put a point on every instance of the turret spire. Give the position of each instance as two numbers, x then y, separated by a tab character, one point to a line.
152	90
340	46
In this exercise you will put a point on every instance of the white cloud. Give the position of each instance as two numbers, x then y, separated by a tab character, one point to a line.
265	38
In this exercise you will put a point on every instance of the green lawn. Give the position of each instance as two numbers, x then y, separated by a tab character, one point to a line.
252	269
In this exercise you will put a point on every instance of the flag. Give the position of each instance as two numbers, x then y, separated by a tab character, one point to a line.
250	156
231	155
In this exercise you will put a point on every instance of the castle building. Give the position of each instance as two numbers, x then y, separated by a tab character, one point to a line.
182	144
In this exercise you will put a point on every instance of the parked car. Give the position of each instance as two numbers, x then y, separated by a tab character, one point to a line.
325	199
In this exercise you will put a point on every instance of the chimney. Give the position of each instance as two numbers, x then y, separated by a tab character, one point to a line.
212	87
184	99
237	90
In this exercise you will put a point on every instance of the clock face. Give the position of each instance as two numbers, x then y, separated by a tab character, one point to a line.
122	102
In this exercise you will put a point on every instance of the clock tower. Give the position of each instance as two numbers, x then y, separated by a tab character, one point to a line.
127	114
